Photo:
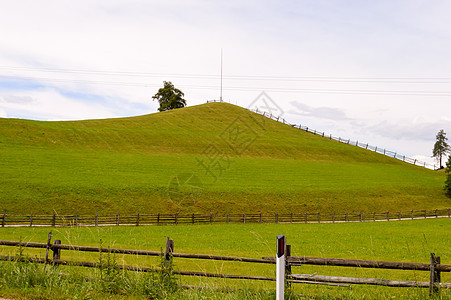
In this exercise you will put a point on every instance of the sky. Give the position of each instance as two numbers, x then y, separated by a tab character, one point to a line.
374	71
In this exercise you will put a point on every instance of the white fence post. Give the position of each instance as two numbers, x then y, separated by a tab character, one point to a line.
280	267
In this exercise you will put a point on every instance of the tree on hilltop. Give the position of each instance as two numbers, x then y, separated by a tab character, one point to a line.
441	147
169	97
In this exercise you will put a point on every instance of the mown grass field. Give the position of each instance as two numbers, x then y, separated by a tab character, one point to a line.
405	241
254	165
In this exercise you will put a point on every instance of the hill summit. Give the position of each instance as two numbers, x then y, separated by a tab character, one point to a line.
214	157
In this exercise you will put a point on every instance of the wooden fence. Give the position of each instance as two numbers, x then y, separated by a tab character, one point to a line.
176	219
377	149
435	268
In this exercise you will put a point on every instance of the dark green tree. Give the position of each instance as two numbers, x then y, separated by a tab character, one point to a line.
448	177
169	97
441	147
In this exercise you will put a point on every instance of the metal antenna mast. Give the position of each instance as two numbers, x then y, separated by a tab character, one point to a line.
220	97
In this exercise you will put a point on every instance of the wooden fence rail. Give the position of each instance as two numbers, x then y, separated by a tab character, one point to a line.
435	267
178	219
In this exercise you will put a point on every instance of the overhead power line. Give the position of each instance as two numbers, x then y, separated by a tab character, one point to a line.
245	88
426	80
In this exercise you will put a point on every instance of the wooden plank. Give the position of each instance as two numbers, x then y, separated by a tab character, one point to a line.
369	281
299	261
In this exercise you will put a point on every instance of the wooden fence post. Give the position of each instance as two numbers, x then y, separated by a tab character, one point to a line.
436	215
54	220
374	216
76	220
399	216
346	217
244	218
97	220
192	218
117	219
449	213
228	219
158	219
169	249
288	271
333	217
176	219
425	214
277	218
3	219
388	216
261	218
319	217
56	251
31	220
49	238
211	218
305	216
412	214
291	218
435	275
361	217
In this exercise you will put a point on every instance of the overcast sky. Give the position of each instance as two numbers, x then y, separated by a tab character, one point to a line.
374	71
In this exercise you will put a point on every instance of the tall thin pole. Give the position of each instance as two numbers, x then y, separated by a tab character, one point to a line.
220	97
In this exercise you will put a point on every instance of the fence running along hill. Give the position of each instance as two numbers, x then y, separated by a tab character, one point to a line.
377	149
367	146
176	219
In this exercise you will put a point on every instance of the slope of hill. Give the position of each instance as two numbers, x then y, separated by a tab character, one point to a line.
215	157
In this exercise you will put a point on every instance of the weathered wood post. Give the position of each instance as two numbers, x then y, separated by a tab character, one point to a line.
388	216
399	217
333	217
374	216
211	218
305	218
192	218
117	219
435	275
76	220
261	218
49	238
436	215
31	220
96	221
56	251
346	217
280	267
361	217
411	214
244	218
288	271
158	219
167	258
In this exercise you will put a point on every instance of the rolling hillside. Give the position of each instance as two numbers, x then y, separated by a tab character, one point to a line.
215	157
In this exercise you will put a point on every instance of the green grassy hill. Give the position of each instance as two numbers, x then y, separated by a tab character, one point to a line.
238	161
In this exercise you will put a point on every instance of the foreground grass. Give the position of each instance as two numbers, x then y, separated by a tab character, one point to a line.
407	241
125	165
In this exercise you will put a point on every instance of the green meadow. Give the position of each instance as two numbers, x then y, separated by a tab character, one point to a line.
242	162
404	241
